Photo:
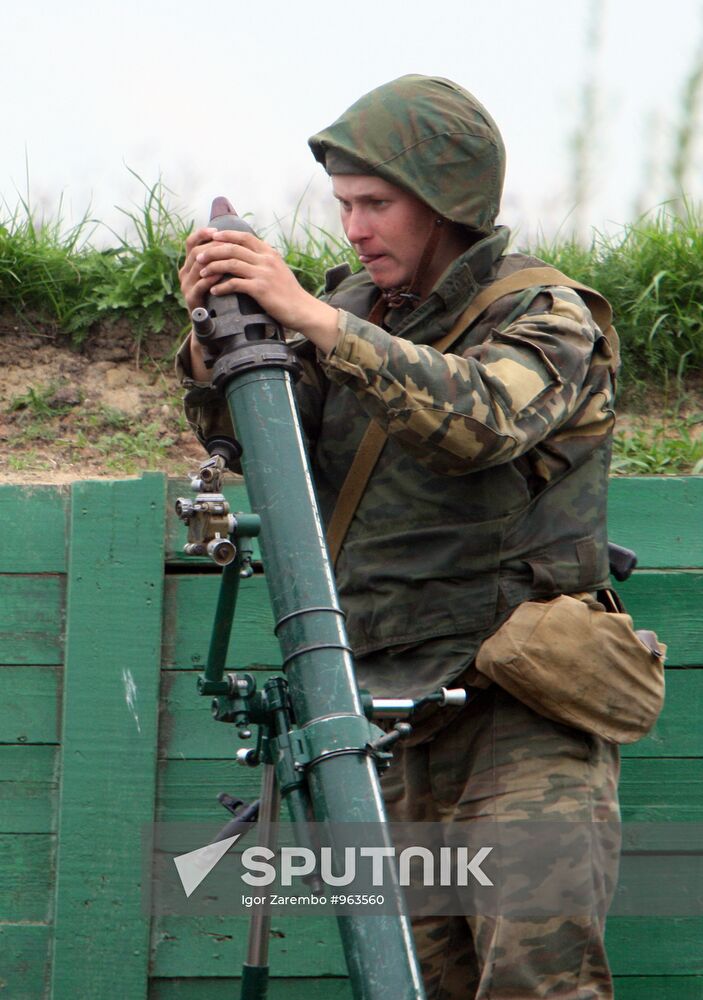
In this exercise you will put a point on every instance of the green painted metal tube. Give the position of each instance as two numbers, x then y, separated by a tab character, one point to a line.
316	653
222	628
255	981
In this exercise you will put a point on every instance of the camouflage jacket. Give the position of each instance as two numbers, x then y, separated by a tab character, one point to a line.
492	487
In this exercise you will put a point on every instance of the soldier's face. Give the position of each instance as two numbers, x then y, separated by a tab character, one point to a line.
387	226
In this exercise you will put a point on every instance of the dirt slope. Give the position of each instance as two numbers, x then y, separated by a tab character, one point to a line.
113	409
109	409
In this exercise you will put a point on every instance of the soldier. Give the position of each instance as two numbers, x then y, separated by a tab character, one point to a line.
490	491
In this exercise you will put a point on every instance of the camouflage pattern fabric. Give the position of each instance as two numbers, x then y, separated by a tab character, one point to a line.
490	491
493	485
494	762
427	135
494	481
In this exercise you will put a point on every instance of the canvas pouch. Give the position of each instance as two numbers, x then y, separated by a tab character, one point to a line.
573	661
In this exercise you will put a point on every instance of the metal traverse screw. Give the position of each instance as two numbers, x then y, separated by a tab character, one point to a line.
399	732
203	323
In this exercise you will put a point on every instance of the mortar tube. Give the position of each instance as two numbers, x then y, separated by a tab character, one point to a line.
316	653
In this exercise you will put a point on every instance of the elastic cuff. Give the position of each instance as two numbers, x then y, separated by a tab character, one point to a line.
184	371
338	364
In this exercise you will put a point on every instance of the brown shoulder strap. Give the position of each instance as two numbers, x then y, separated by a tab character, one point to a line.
520	281
374	439
354	486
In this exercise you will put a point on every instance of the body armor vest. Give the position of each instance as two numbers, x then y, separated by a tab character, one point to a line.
431	555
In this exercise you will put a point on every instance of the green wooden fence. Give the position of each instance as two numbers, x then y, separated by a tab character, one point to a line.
103	629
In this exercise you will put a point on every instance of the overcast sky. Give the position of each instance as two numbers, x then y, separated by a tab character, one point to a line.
221	97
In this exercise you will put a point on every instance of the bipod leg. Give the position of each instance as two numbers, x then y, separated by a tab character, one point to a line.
255	971
224	616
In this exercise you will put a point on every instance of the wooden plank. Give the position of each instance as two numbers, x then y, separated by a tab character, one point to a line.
659	517
670	603
188	789
189	610
661	790
31	624
209	988
679	730
186	726
200	946
24	959
667	602
26	869
187	731
29	704
307	946
28	789
658	987
655	790
655	946
40	545
626	988
650	789
109	735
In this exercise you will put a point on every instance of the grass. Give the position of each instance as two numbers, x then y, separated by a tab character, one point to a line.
651	271
27	460
310	251
47	421
55	277
42	401
652	274
124	451
142	283
671	447
127	451
59	283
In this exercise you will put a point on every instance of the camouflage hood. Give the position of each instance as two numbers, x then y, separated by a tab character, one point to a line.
427	135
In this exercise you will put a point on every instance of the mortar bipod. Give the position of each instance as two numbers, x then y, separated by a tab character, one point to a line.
265	812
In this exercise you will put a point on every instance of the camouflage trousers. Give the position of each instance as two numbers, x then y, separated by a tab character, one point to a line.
498	760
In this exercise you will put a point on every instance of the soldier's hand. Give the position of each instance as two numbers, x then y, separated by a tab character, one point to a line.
241	262
193	286
229	261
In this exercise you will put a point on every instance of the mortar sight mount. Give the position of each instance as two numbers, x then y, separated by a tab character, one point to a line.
212	527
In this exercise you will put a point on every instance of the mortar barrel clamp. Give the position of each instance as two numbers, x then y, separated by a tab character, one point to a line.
343	734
